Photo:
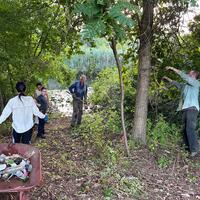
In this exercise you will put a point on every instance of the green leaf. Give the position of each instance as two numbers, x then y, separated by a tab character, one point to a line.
94	28
89	9
119	31
117	13
101	2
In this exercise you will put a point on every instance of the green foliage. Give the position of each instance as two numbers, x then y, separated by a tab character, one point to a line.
59	71
131	185
116	12
192	178
94	28
130	79
164	161
108	193
106	18
106	91
106	87
5	129
162	135
97	130
32	34
133	143
115	183
163	139
88	9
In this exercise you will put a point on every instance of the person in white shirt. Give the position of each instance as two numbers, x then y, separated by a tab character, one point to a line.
22	108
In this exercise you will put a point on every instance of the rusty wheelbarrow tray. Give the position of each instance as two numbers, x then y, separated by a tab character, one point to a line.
14	184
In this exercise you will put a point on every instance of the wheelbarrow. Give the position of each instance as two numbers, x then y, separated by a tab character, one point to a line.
18	186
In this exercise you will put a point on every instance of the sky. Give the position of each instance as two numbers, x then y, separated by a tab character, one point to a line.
189	16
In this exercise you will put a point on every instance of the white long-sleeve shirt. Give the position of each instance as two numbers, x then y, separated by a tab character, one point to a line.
22	113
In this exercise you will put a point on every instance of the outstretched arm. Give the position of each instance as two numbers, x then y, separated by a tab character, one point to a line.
185	77
177	71
167	79
172	82
6	112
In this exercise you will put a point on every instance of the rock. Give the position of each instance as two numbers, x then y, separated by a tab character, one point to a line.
61	101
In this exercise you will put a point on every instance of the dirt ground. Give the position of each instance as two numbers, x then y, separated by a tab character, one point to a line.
70	171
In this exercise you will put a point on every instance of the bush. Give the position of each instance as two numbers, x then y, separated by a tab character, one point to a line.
163	139
162	135
106	88
96	130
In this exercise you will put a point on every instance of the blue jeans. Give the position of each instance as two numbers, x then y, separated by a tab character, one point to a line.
41	127
189	129
25	137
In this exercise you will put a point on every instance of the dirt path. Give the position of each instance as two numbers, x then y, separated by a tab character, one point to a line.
65	164
71	171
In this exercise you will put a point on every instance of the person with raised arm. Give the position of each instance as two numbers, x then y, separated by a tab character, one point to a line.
189	105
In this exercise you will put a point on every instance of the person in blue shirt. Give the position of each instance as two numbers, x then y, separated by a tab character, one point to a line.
79	94
189	105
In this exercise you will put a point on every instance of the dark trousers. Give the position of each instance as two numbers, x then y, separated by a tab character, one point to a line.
77	111
189	129
41	127
25	137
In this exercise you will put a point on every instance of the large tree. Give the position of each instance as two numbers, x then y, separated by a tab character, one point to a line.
32	35
165	24
145	27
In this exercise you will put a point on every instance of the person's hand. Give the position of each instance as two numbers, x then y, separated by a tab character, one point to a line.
172	69
73	95
46	118
169	68
166	78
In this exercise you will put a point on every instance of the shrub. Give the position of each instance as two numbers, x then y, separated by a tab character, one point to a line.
162	135
96	130
106	88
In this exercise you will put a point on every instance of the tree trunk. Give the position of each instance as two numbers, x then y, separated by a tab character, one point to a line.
119	67
1	102
141	107
10	76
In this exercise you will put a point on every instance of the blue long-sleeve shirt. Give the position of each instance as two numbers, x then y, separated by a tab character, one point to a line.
189	92
79	90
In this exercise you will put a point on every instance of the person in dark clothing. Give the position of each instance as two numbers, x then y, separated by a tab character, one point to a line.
79	94
43	106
